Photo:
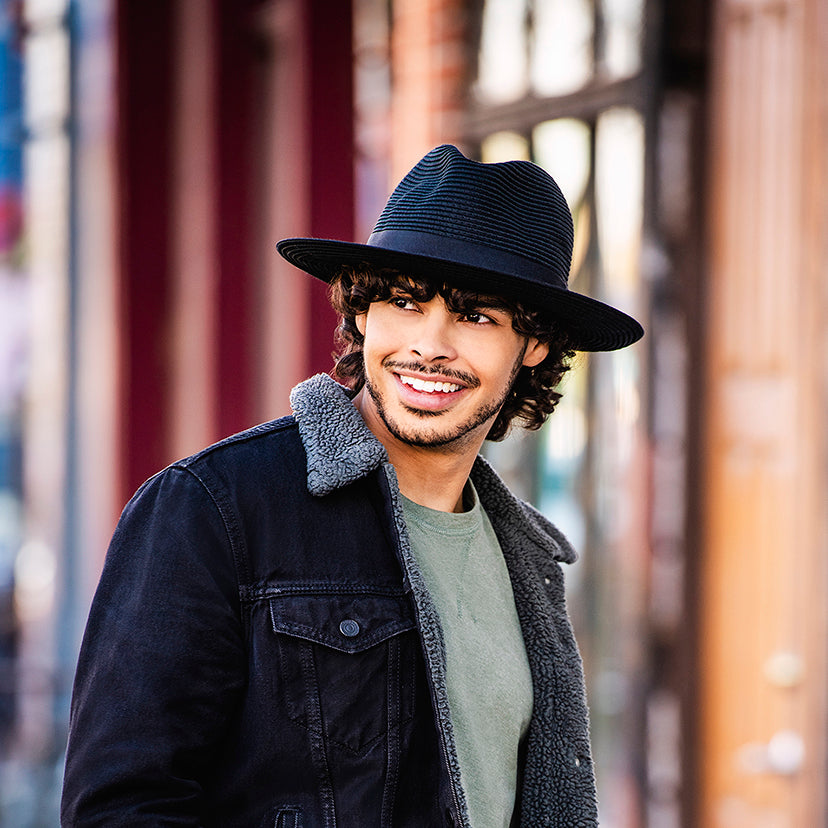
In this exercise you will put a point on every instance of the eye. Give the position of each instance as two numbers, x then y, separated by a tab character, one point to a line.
403	302
477	318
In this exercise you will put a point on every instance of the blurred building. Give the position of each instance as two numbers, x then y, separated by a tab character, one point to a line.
161	147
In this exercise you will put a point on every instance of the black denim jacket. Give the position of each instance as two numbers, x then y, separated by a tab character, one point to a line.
262	651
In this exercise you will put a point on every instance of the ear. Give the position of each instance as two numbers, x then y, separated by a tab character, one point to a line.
359	321
535	352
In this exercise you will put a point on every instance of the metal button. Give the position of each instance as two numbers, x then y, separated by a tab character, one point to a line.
349	628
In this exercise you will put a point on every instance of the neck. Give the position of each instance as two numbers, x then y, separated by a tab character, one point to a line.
431	479
433	476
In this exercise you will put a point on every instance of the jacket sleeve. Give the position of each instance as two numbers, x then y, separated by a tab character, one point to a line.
161	665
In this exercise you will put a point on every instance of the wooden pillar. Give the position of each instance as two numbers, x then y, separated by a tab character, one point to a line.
304	161
193	302
764	588
144	36
331	145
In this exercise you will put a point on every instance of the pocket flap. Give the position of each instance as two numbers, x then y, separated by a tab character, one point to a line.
349	623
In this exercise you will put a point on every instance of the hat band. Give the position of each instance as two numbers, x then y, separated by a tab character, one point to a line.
466	253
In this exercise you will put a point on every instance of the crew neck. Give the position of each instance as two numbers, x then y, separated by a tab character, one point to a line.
446	522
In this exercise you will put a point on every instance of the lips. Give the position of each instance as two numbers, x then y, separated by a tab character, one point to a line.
428	396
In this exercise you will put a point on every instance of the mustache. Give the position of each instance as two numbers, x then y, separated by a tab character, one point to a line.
420	368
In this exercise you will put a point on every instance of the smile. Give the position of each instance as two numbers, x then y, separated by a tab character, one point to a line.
429	386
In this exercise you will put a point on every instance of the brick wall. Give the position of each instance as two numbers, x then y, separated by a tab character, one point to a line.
428	76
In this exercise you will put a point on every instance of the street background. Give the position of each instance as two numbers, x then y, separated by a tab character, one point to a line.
153	151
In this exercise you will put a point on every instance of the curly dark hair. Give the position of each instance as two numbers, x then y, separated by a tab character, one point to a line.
533	396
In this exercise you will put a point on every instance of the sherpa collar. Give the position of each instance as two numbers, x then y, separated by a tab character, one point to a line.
341	449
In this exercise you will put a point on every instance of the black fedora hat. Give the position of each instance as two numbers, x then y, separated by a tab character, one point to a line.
503	229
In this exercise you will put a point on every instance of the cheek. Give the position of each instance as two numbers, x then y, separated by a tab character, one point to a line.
381	334
497	357
375	345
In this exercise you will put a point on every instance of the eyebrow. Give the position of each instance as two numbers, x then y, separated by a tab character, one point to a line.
488	303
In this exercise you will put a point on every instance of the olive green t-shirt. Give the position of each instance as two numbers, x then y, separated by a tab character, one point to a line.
488	677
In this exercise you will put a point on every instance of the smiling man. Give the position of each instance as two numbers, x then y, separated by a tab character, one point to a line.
436	372
343	617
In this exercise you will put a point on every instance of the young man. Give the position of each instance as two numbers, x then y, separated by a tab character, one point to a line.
344	618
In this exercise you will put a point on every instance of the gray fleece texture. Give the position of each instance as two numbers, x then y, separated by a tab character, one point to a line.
558	787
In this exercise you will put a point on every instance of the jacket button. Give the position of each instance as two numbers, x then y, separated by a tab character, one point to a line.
349	628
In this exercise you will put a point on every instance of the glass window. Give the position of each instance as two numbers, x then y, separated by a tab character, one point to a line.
619	193
563	149
562	53
623	24
502	71
504	146
548	48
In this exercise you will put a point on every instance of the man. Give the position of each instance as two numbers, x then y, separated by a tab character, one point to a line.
344	618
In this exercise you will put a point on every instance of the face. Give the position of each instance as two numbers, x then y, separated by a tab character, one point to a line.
435	377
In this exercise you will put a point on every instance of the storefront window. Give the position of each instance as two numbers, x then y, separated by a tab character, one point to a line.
562	147
504	146
562	53
623	26
619	182
545	48
502	72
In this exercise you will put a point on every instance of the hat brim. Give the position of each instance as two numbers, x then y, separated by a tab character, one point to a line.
591	324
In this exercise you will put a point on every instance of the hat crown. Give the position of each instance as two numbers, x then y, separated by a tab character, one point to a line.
500	229
512	206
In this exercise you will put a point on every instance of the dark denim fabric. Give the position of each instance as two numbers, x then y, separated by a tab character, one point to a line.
262	649
252	656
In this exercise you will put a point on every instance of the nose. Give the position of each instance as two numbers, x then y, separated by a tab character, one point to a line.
432	340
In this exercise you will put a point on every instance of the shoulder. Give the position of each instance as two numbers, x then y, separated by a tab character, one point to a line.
271	450
265	437
218	477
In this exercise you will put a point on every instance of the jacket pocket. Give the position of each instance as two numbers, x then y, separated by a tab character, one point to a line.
346	663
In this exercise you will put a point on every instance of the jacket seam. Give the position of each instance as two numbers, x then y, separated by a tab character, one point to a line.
230	526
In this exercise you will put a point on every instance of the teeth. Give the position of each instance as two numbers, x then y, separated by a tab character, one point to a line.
429	386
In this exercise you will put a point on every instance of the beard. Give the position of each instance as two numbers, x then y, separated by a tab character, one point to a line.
431	433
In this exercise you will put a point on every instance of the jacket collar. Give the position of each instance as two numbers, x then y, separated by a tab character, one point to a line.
512	517
341	449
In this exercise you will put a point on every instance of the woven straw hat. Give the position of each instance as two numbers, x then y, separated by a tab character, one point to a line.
500	229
